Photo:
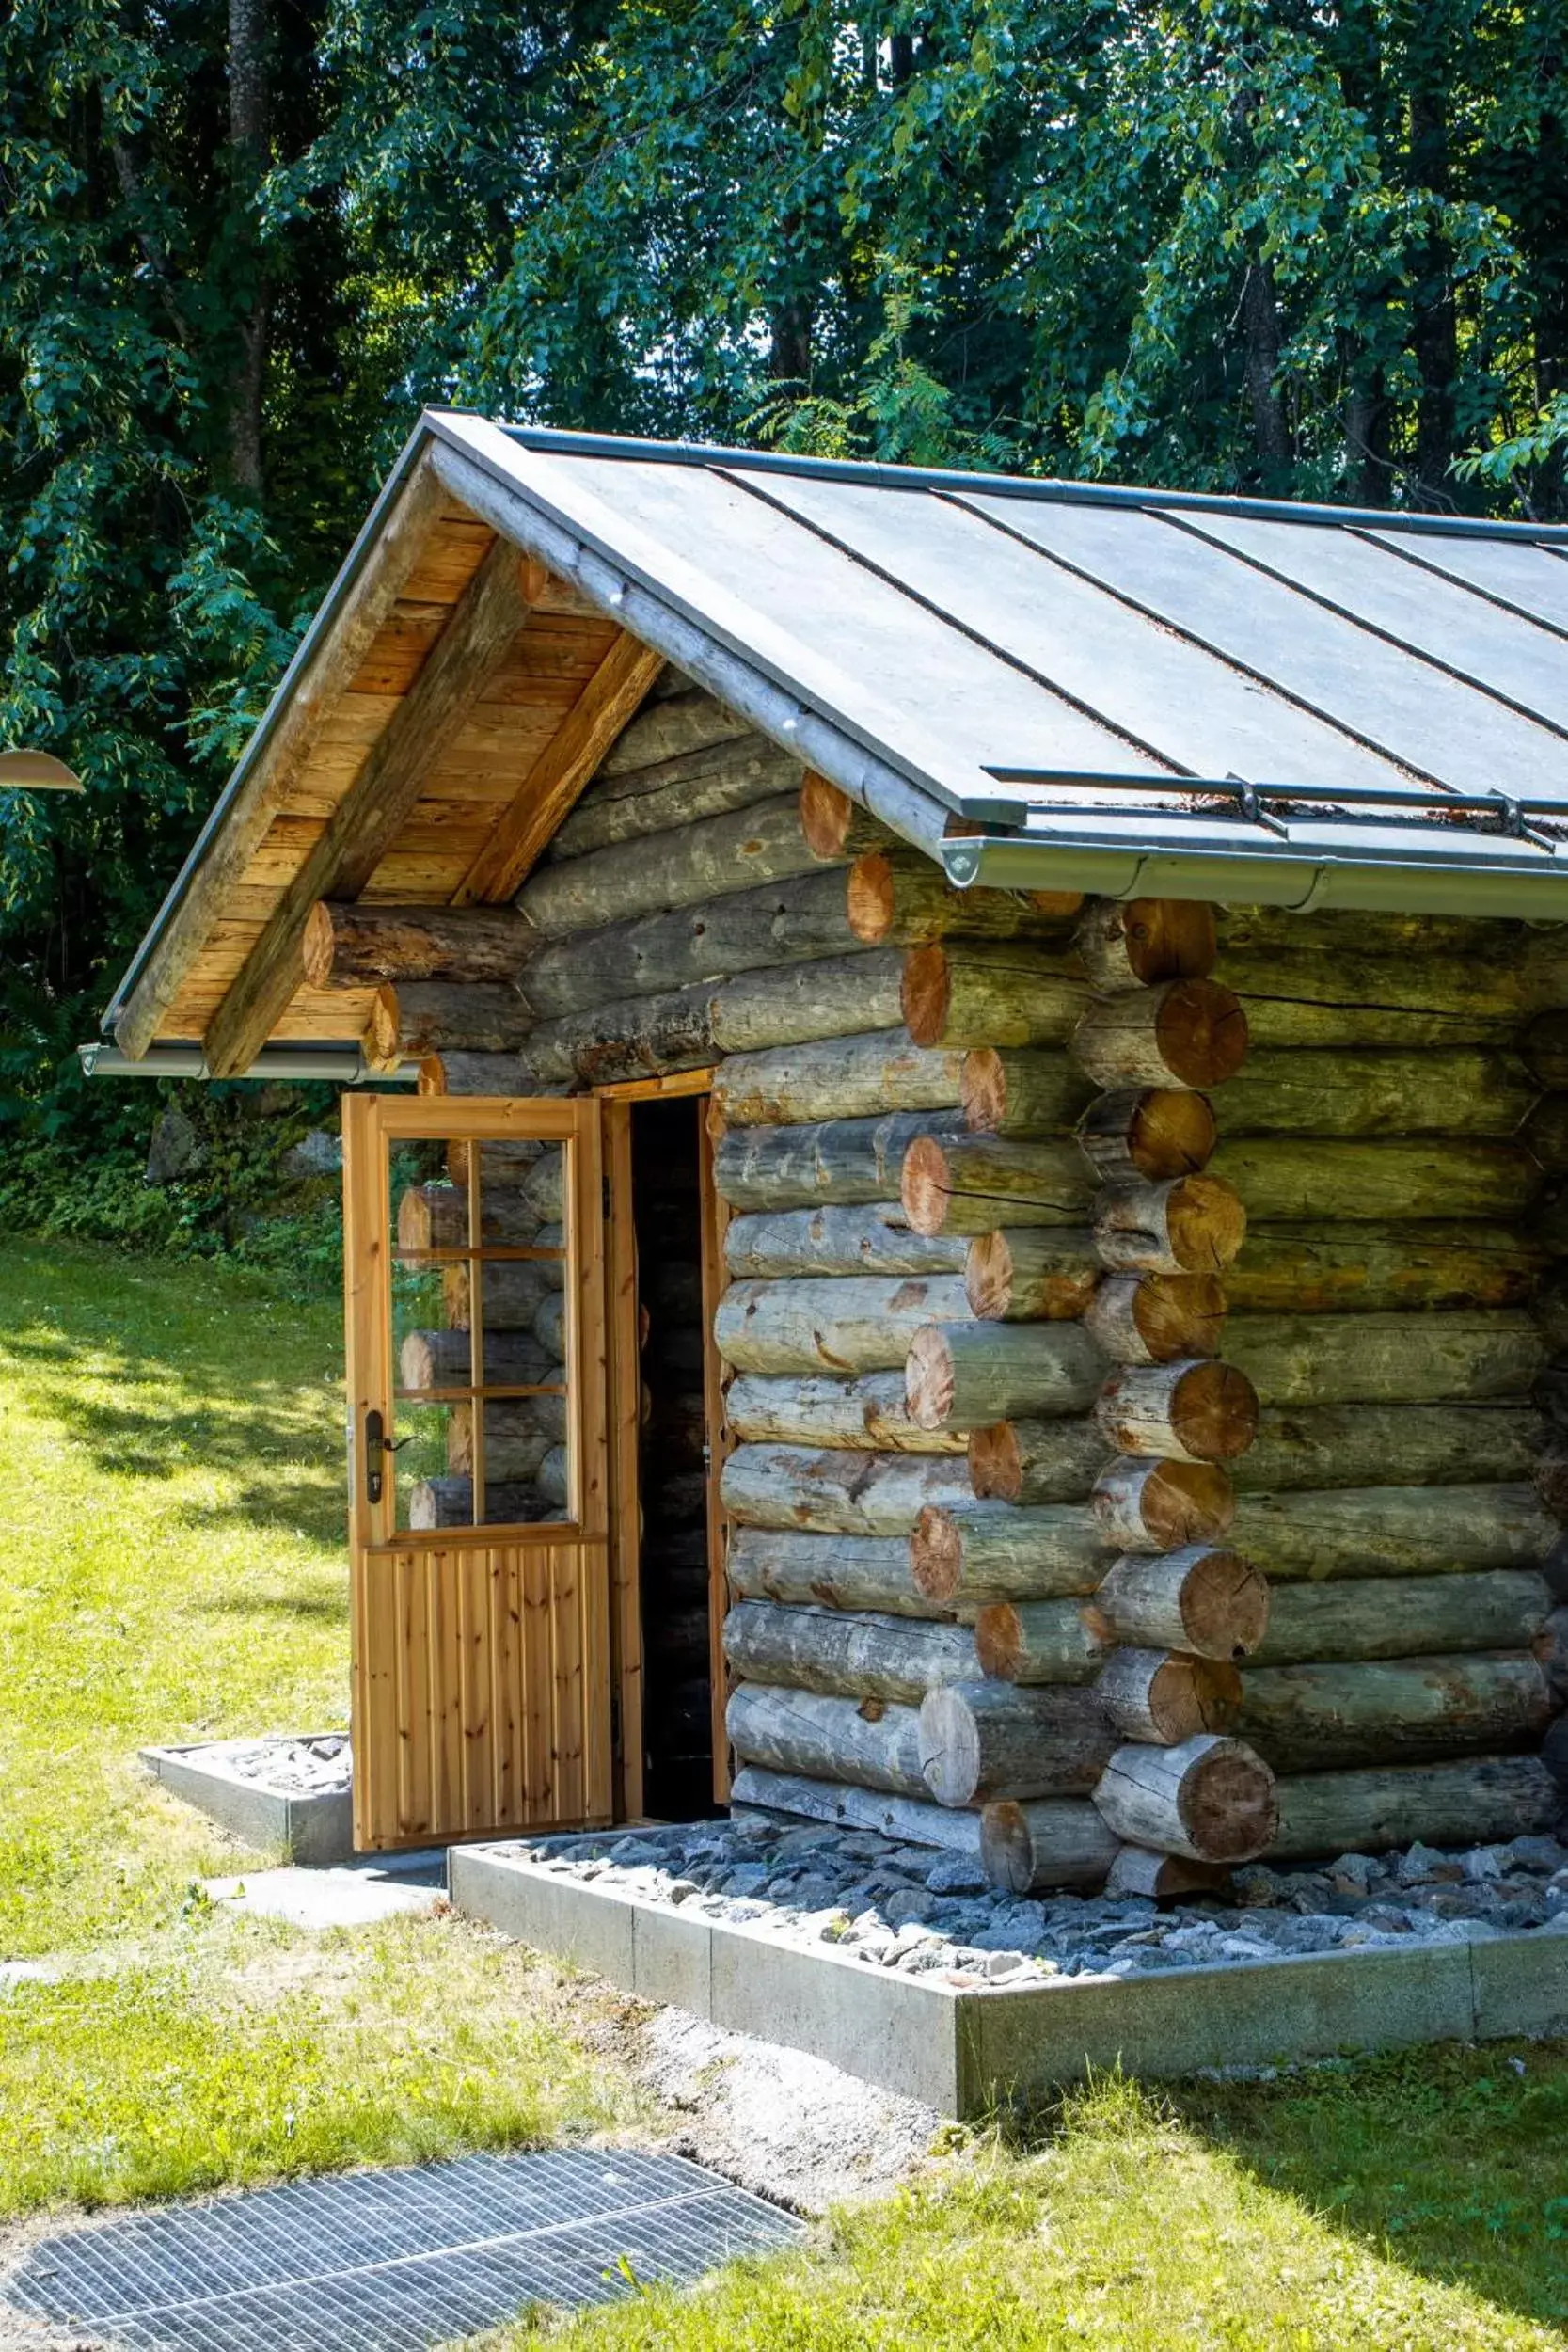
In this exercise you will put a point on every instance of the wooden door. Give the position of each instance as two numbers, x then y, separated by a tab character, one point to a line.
478	1469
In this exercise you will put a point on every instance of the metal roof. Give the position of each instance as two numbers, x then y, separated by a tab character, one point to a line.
1117	690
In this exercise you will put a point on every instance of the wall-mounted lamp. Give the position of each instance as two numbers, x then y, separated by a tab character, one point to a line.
37	771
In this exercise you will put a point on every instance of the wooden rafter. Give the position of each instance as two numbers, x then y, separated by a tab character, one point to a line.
483	624
559	774
365	608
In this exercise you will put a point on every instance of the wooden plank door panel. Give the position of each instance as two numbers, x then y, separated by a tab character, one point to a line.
481	1653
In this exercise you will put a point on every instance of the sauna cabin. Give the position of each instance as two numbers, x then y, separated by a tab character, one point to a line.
955	1120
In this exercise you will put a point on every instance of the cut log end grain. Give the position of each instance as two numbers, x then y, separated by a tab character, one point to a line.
1133	942
1163	1878
936	1554
1146	1505
1154	1131
1192	1225
1188	1033
1204	1599
1167	1696
1053	1842
1210	1798
1196	1413
1040	1274
836	826
977	1184
1157	1318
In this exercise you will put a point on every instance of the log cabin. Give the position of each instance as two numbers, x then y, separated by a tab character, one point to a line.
977	1245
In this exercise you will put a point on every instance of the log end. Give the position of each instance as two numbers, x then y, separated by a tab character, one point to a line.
995	1463
318	947
1201	1031
1229	1803
870	897
1171	1132
951	1763
926	992
1170	939
1191	1696
936	1554
382	1044
982	1083
1180	1314
1006	1849
1162	1878
827	816
1187	1502
1206	1224
1215	1412
999	1641
1225	1607
926	1185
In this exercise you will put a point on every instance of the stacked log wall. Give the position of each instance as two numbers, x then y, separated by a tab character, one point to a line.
995	1342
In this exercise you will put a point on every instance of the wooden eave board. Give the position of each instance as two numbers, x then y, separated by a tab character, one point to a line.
461	801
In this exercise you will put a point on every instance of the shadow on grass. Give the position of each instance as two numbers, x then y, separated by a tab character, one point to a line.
1451	2161
325	1607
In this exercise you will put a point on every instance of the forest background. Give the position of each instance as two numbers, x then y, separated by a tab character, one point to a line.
1319	252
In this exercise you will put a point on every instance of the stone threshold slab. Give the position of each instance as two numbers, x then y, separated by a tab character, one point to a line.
316	1830
965	2050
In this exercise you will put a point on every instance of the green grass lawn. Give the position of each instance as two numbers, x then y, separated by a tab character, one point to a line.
173	1569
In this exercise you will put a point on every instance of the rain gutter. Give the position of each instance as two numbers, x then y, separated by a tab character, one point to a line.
328	1065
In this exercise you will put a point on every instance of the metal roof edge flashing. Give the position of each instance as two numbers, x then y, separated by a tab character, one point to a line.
551	440
1532	894
319	1065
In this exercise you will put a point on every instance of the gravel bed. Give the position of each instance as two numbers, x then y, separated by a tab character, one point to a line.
918	1910
288	1767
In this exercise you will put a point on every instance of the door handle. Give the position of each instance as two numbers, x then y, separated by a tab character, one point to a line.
377	1446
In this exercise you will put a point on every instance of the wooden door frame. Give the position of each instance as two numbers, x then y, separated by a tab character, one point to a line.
626	1396
371	1124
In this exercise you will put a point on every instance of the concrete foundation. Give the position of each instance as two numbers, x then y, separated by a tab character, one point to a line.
312	1829
964	2049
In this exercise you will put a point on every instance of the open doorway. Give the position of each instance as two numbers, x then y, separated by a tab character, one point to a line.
676	1449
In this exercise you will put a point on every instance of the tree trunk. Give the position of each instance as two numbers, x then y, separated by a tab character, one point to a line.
963	994
850	1572
1021	1094
695	864
1319	1717
985	1742
970	1184
436	1216
902	898
1039	1641
1202	1598
442	1359
828	1241
865	1076
971	1555
1192	1225
826	1738
1377	1182
1393	1532
849	1161
1462	1092
1146	1505
860	1323
904	1820
1194	1412
786	922
1147	1132
344	947
838	1493
796	1003
420	1017
1155	1695
250	147
847	1655
1385	1360
1029	1274
1059	1841
1484	1802
966	1376
1334	1269
1404	1616
871	1412
1185	1033
1209	1798
665	794
1260	325
1036	1461
1163	1878
1137	943
1157	1318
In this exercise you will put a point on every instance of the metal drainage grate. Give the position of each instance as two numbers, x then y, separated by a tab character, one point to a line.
395	2262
